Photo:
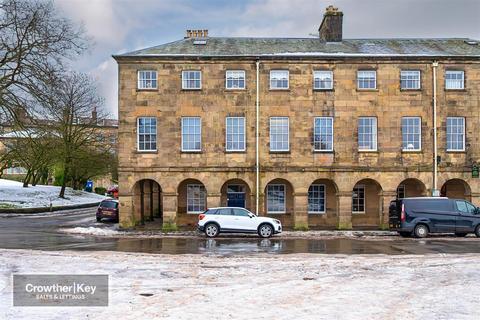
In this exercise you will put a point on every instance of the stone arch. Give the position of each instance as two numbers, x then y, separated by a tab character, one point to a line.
411	187
456	188
272	207
232	192
192	190
367	204
318	218
147	200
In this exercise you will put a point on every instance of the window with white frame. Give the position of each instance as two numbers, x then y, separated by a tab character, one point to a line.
191	134
279	79
367	134
411	133
147	79
279	134
192	79
235	134
401	191
410	79
316	198
323	134
322	80
455	134
235	79
358	199
276	198
196	198
147	134
366	79
454	79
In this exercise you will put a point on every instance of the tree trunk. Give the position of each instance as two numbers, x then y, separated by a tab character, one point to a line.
26	179
64	182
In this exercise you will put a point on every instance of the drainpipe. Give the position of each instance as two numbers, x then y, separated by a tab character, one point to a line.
257	124
435	192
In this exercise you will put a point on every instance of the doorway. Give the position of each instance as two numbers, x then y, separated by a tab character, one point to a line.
236	196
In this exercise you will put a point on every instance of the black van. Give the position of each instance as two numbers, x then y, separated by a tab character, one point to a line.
420	216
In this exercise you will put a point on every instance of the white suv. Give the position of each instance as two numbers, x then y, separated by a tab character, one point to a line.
236	220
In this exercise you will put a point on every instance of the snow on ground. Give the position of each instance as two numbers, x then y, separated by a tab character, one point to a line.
262	286
13	195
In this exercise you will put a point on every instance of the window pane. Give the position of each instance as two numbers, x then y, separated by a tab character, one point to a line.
191	134
367	79
147	134
411	133
454	79
323	79
191	79
455	134
279	79
276	198
410	79
147	79
235	133
279	134
367	133
196	198
316	198
323	134
358	199
235	79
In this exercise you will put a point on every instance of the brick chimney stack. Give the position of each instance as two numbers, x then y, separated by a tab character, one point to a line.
197	34
331	27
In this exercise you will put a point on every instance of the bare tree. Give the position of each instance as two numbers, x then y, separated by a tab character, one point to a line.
35	41
72	106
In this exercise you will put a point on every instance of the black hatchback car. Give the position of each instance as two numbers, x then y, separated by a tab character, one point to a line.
421	216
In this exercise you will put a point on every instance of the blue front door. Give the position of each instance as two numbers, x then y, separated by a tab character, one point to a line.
236	196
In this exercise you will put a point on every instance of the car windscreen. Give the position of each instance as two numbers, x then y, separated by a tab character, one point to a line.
109	204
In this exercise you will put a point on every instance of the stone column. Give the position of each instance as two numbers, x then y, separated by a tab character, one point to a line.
300	211
344	210
169	211
126	214
262	211
385	199
475	198
214	200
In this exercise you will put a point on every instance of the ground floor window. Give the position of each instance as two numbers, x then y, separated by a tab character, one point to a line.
196	198
401	191
276	198
358	199
316	198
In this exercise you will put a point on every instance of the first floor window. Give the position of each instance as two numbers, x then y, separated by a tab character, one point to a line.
358	199
147	134
196	198
454	79
279	79
323	134
367	134
316	198
191	134
147	79
322	80
235	133
276	198
401	191
411	133
279	134
192	79
455	134
235	79
410	79
367	79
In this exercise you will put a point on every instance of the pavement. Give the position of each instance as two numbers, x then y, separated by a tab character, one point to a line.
47	232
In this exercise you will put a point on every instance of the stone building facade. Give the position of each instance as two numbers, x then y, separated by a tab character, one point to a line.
319	178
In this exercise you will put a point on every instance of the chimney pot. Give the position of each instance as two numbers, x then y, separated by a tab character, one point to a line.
197	33
331	27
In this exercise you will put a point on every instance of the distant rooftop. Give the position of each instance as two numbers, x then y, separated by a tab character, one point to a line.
311	47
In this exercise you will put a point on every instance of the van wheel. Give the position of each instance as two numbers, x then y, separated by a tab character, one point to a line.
477	231
212	230
460	234
265	231
405	234
421	231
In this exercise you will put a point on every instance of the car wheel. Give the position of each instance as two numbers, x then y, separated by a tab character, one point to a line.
405	234
211	230
265	231
460	234
477	231
421	231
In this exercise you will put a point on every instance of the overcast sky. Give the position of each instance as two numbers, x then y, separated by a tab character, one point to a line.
119	26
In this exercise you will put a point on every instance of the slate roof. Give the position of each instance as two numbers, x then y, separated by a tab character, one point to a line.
312	47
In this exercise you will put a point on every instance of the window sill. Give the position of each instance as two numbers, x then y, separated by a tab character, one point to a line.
456	151
317	213
235	151
455	90
147	90
411	90
195	212
280	90
324	151
367	90
235	90
191	152
323	90
412	151
276	212
280	152
368	151
358	212
146	151
193	89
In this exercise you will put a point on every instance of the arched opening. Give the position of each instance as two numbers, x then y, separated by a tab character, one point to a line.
147	200
411	187
279	202
366	204
322	204
236	193
192	200
457	189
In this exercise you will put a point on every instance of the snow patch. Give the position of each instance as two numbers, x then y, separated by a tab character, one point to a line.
93	231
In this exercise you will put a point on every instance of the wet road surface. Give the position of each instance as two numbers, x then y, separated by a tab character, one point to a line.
40	232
